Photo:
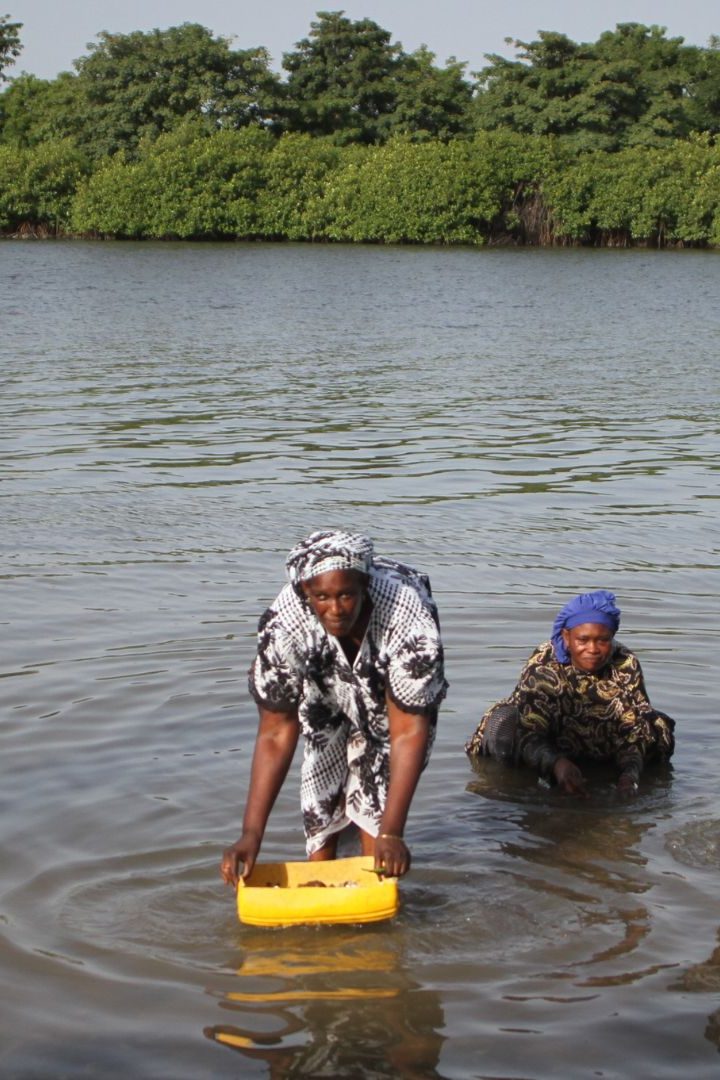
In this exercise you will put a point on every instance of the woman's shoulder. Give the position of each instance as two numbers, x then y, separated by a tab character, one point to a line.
396	588
623	658
542	668
542	656
286	613
398	575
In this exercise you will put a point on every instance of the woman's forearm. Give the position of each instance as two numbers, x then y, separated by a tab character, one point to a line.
274	749
409	736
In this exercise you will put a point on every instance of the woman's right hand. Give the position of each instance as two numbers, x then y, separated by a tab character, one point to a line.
245	851
569	778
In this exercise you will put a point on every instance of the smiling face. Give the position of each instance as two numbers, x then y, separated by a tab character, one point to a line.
590	646
337	600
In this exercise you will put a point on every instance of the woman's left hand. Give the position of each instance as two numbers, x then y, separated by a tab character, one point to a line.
627	785
569	778
392	856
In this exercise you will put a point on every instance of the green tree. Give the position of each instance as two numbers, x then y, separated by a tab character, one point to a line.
703	101
37	186
35	110
10	47
431	102
628	88
137	86
341	80
639	195
186	184
296	175
420	193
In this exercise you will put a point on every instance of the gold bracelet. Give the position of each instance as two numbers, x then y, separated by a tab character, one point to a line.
389	836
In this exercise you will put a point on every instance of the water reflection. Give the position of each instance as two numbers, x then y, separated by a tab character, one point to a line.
583	863
704	978
332	1002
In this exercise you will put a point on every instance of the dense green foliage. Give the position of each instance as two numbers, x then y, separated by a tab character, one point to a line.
141	85
668	195
10	46
347	80
174	134
495	187
632	87
340	79
34	111
431	102
37	187
138	86
181	185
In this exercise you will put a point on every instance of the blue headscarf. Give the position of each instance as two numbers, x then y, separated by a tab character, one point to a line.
593	607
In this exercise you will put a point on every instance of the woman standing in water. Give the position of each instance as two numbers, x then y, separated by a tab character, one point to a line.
581	696
350	656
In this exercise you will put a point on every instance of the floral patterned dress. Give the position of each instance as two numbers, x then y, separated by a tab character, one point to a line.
564	712
341	707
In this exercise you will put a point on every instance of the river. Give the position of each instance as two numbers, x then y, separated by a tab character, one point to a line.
522	425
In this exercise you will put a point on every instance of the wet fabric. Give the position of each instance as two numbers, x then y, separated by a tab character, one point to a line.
497	737
593	607
563	712
341	706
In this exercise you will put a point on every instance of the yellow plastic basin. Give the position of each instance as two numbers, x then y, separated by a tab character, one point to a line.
280	894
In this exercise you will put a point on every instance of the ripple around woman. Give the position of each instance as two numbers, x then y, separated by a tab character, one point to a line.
349	654
581	696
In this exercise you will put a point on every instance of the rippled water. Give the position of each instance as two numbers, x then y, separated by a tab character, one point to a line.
523	425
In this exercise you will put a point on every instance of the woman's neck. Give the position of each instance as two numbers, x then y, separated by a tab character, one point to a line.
350	643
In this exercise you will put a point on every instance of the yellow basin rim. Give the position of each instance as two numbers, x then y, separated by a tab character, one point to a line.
348	994
279	894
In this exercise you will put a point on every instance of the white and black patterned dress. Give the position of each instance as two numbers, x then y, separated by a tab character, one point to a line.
342	707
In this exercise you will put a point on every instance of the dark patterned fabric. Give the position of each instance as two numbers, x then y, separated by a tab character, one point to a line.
342	707
563	712
497	738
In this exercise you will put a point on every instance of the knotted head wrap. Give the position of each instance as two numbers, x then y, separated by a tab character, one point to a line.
329	550
593	607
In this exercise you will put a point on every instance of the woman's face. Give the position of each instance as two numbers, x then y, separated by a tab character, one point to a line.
337	599
590	646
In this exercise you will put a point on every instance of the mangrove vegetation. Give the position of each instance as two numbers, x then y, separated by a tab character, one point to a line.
175	134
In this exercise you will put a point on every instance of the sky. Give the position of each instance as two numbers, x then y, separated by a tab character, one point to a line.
54	34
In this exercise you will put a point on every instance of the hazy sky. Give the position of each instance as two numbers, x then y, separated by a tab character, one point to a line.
54	34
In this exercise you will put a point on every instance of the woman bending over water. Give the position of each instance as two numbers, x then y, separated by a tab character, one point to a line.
581	696
349	655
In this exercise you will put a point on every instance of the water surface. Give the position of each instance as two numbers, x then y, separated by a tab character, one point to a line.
522	425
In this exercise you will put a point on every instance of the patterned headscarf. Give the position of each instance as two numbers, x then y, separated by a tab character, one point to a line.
329	550
594	607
